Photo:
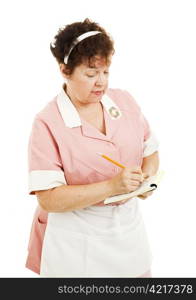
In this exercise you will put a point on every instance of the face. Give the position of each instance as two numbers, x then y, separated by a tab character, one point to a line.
87	84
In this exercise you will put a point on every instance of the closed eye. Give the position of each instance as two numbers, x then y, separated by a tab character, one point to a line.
88	75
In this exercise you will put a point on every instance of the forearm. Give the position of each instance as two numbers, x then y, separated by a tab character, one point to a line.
150	164
72	197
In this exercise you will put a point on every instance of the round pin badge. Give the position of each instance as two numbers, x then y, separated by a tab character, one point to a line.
114	112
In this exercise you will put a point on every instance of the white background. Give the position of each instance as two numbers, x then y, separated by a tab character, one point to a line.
155	61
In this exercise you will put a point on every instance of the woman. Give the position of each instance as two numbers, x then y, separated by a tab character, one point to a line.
74	234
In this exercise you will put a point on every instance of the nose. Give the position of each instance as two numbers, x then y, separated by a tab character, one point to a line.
100	79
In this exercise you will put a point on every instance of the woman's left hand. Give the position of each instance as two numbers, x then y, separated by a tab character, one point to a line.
145	195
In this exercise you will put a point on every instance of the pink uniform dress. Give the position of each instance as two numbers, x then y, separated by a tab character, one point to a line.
96	241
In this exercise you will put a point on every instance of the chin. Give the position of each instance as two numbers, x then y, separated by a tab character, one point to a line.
95	101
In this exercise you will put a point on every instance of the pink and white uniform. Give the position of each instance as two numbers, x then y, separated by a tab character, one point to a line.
97	241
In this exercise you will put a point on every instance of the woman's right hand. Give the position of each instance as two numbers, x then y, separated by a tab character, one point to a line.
127	180
124	182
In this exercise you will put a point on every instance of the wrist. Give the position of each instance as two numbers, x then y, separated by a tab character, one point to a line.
110	188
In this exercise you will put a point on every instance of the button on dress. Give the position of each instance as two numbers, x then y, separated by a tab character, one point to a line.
96	241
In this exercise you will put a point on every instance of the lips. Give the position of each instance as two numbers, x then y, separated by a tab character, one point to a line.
97	93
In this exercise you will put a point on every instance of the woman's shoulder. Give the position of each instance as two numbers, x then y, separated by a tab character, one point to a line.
48	111
123	98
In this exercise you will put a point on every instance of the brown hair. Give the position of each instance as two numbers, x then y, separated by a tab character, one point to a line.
86	50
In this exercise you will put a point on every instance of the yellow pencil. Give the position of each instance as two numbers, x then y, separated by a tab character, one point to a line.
111	160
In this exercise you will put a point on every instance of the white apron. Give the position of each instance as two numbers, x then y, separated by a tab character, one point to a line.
98	241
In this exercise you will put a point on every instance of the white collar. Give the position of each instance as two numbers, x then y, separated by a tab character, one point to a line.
71	116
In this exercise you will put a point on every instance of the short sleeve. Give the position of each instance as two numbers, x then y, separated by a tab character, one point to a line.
44	162
150	141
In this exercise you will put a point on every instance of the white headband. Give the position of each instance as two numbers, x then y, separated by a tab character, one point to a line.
79	39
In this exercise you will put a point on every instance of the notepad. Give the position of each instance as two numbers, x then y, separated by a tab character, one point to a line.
147	185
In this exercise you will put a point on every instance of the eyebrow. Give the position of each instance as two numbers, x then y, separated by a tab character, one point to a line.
94	68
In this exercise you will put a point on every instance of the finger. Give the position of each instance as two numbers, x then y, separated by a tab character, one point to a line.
137	177
148	193
142	196
145	195
146	176
135	183
136	169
